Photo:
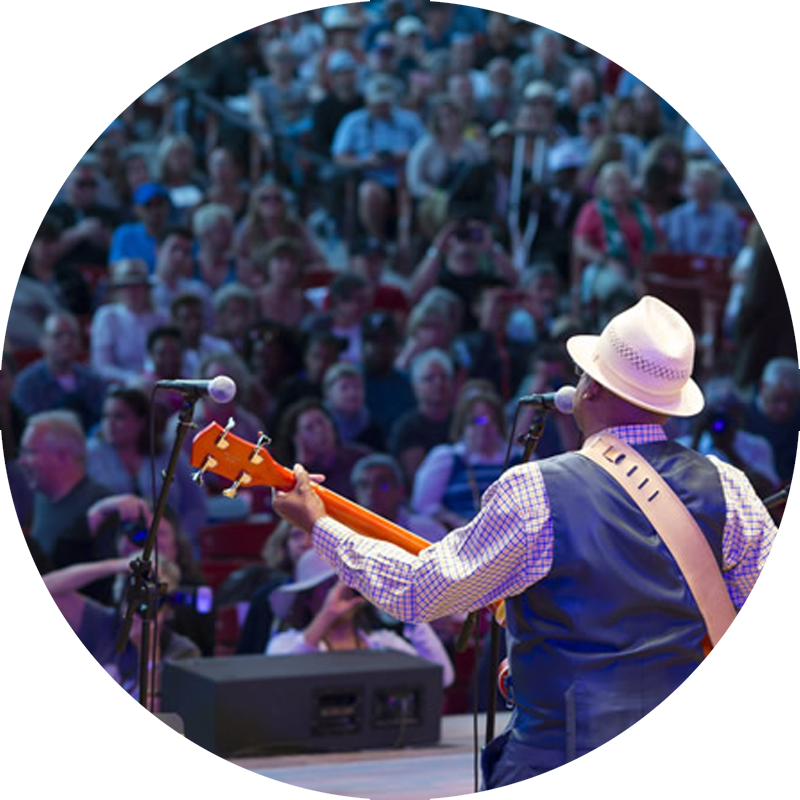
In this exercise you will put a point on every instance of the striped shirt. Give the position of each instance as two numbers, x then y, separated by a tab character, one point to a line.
508	546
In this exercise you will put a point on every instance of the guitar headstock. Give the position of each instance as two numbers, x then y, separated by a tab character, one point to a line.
215	449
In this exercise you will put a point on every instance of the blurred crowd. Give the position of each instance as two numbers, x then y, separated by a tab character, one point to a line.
382	221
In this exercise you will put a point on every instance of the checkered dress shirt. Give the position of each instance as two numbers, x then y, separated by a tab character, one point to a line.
509	545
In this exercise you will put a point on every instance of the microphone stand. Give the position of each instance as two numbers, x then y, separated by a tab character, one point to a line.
530	440
144	590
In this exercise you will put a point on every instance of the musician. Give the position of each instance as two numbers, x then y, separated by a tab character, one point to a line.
601	624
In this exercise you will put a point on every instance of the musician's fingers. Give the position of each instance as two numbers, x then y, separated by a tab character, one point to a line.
317	477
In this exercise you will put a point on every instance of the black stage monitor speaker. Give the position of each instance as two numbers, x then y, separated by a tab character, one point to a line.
241	706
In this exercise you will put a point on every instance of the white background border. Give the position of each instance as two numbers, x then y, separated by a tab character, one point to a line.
70	68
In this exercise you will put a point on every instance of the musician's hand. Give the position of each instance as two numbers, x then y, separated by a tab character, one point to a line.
301	506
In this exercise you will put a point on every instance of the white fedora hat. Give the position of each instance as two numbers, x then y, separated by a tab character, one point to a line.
310	571
644	355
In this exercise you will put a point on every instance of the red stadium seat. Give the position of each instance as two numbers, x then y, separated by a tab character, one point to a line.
241	539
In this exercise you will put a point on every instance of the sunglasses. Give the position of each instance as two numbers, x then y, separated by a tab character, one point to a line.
270	198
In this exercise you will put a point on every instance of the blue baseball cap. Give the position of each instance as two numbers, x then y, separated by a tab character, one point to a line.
147	192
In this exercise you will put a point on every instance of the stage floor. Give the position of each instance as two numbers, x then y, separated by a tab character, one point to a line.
412	773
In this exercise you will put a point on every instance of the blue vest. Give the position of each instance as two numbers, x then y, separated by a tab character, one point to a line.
612	629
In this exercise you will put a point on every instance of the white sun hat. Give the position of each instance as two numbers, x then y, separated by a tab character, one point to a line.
644	355
311	570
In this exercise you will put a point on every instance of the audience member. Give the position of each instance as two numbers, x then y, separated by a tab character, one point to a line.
188	317
138	240
419	430
281	297
58	380
53	459
322	616
118	455
308	435
235	310
212	225
703	226
343	391
120	329
173	273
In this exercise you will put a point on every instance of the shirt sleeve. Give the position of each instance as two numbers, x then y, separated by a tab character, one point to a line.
748	535
507	547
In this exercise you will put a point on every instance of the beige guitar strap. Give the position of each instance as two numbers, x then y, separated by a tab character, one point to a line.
673	523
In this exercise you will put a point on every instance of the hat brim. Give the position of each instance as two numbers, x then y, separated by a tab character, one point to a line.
282	598
688	402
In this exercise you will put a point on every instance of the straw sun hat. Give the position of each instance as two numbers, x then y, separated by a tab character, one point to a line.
310	571
644	355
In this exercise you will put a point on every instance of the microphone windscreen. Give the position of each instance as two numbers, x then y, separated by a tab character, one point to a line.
222	389
565	399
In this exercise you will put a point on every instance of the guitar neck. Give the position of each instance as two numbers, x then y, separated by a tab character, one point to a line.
359	519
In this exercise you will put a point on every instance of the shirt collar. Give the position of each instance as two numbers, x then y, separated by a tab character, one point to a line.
637	434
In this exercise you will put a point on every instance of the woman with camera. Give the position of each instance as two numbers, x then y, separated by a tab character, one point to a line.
322	614
464	258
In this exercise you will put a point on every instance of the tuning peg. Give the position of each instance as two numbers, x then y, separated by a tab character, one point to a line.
263	441
231	491
209	463
222	443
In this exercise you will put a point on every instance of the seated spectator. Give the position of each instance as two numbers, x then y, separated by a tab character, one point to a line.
235	310
452	478
703	226
321	350
177	173
343	388
667	153
464	258
272	354
212	225
138	240
545	61
174	273
283	550
279	104
380	487
418	431
58	380
368	258
434	322
387	390
120	329
613	232
226	186
97	626
85	224
581	93
719	431
269	215
308	436
337	103
53	461
500	102
134	172
591	126
500	41
487	352
538	305
118	455
323	616
559	207
377	139
281	297
349	302
763	327
774	412
441	158
188	311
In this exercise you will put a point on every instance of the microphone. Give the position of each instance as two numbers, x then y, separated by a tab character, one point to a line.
562	400
221	389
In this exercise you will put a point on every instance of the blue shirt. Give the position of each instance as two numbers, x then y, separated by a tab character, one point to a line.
131	240
714	232
37	389
360	134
